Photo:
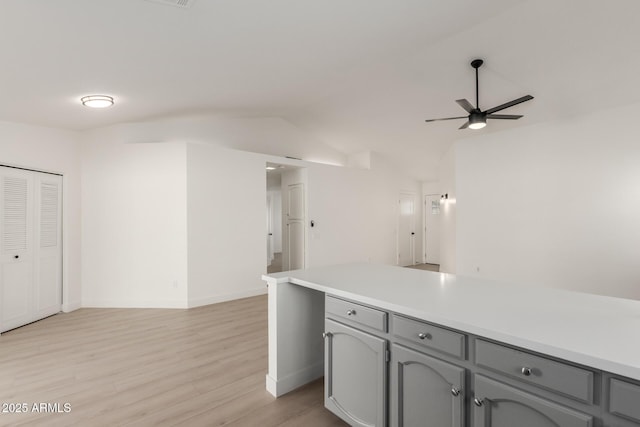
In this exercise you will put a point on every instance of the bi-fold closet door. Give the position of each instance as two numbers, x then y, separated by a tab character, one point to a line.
30	246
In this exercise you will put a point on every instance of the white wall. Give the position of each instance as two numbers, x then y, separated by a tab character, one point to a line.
176	224
266	135
356	214
555	204
448	212
52	150
226	224
134	223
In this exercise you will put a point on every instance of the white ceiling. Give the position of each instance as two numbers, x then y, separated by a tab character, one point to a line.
356	74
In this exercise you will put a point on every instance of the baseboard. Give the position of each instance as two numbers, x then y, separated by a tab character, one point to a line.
133	304
214	299
293	381
71	306
194	302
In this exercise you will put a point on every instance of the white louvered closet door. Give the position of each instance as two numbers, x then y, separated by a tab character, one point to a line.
30	247
48	232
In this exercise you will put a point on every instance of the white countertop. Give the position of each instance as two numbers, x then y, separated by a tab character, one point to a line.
597	331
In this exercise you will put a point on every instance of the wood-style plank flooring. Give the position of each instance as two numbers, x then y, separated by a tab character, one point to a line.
151	367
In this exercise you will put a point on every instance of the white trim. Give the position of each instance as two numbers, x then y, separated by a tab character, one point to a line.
279	387
72	306
195	302
134	304
214	299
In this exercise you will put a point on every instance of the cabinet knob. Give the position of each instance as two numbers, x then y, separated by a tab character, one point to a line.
423	336
526	371
351	313
326	334
16	256
455	392
478	402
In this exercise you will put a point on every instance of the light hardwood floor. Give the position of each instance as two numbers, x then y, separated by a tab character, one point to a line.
428	267
152	367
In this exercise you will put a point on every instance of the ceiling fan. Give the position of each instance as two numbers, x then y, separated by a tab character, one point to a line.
477	119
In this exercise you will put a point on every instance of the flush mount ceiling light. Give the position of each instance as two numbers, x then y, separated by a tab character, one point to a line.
97	101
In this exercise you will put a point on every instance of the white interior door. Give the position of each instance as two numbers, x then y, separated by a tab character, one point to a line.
269	229
296	226
30	246
432	229
16	223
406	229
48	232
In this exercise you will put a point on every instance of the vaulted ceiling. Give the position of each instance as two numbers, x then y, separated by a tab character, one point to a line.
356	75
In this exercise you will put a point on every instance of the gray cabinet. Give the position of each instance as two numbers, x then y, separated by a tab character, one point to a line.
500	405
441	377
355	375
425	391
429	337
624	402
550	374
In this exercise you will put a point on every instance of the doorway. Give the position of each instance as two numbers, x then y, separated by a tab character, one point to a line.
295	231
406	229
431	221
274	218
286	217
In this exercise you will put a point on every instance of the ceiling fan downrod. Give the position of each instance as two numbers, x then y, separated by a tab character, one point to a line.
477	63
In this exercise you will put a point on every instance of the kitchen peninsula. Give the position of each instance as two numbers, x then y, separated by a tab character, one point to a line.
380	332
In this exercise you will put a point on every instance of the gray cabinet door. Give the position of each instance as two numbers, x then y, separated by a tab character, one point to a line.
355	375
499	405
426	392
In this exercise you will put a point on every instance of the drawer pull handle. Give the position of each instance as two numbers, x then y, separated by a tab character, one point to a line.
351	313
423	336
455	392
478	402
526	371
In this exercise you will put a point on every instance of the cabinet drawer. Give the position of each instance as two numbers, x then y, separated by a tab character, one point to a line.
502	405
624	399
429	336
356	314
550	374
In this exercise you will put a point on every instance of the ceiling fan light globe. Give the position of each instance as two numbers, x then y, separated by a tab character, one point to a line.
478	125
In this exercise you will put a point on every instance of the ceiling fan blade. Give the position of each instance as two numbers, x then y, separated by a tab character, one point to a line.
448	118
509	104
504	116
466	105
464	126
